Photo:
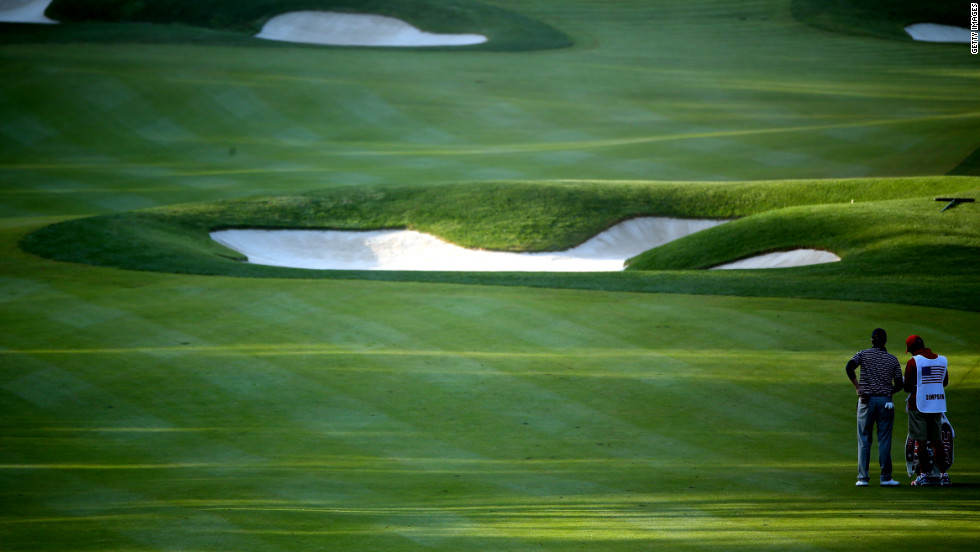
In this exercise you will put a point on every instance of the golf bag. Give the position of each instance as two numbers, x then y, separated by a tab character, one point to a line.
920	455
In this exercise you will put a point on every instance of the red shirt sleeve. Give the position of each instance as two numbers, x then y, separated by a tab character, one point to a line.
910	379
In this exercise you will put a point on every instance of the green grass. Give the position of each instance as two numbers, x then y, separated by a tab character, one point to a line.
880	18
402	416
768	98
505	30
147	410
881	238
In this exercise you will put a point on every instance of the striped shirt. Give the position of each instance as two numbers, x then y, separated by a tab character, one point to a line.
878	369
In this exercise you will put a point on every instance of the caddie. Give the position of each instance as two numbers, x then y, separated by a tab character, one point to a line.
926	378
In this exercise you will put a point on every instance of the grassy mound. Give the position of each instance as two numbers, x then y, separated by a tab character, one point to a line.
506	30
896	235
889	228
880	18
970	165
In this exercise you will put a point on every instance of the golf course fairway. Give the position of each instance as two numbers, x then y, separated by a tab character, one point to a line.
225	414
158	393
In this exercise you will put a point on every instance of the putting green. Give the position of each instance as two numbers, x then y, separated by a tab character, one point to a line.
148	410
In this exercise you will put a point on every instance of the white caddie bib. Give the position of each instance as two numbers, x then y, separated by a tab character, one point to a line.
930	396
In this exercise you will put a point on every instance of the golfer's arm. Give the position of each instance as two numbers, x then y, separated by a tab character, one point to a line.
898	384
850	368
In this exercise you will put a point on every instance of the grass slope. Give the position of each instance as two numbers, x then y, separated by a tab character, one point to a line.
506	30
157	411
98	128
881	18
881	240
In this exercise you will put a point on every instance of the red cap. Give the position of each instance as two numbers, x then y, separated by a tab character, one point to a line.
911	341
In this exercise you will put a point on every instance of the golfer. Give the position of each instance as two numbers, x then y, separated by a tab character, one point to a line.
926	379
875	407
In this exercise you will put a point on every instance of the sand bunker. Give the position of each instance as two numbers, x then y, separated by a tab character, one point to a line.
409	250
349	29
415	251
933	32
24	11
783	259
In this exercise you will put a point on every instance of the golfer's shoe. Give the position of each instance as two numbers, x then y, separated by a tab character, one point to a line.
861	483
944	479
890	483
923	481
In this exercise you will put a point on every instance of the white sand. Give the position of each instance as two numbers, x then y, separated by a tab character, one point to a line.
783	259
349	29
24	11
415	251
933	32
409	250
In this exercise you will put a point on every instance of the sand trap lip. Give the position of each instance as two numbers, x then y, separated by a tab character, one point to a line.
350	29
782	259
934	32
415	251
24	11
